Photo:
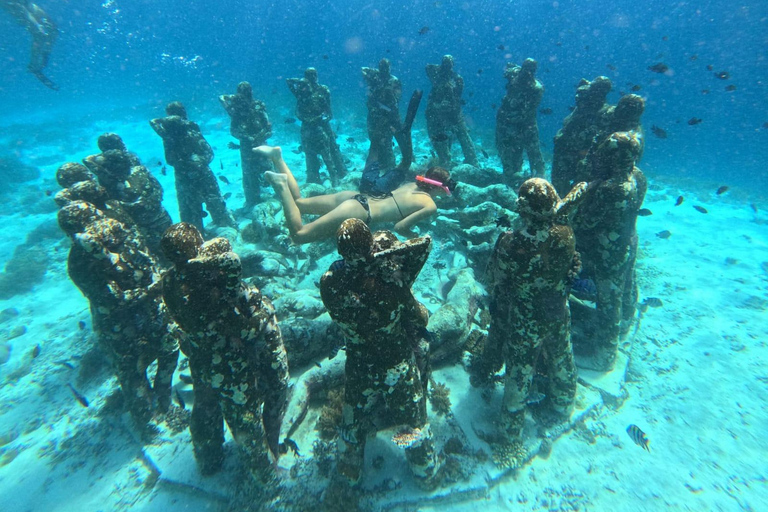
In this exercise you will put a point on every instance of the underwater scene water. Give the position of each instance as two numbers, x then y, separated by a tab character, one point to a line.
560	302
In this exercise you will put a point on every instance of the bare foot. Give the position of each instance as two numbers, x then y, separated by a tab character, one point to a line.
272	152
277	180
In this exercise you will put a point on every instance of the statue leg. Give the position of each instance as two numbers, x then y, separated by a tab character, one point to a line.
520	356
533	149
467	146
244	422
206	424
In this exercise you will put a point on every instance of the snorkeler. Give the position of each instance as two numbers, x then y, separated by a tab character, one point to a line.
43	31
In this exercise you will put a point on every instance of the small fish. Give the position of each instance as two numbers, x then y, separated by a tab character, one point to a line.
753	206
611	67
584	289
500	47
221	164
722	190
484	152
545	111
503	221
700	209
159	163
635	88
440	137
79	396
81	325
679	201
659	132
705	91
350	139
659	68
325	57
290	120
710	67
494	106
694	121
665	38
730	88
179	399
638	436
423	30
186	379
289	443
723	75
439	265
480	71
297	150
644	212
534	397
36	351
49	193
693	57
66	364
586	47
765	125
164	171
318	364
652	302
223	179
664	234
227	195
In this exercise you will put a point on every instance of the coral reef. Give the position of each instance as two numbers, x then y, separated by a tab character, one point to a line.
440	398
330	415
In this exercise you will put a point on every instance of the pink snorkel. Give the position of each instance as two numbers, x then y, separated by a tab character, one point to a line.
433	182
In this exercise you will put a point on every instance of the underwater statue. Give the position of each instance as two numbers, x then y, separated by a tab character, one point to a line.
111	266
190	155
574	140
43	31
368	294
444	117
139	193
529	276
250	125
384	91
516	127
236	354
606	238
313	108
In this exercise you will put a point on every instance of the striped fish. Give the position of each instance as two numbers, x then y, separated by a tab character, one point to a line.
638	436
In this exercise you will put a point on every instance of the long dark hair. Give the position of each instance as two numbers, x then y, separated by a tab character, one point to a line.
438	174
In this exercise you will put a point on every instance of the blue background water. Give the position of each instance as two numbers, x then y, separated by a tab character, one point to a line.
109	57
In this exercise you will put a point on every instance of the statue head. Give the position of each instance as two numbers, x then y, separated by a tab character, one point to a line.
71	173
447	63
76	216
529	66
181	243
537	200
176	108
616	155
385	67
354	240
311	75
109	141
245	90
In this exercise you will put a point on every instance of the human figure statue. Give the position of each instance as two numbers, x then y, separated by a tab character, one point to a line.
190	155
384	91
125	180
111	266
516	127
80	184
574	139
368	294
250	125
313	108
236	354
43	31
606	238
529	276
444	117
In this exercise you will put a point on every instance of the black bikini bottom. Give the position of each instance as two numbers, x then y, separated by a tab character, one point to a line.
363	200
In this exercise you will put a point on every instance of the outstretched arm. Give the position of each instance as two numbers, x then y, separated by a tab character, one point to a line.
405	226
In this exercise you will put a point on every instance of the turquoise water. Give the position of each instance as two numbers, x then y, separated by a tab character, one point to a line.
693	374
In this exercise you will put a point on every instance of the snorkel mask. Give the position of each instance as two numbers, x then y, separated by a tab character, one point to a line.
444	186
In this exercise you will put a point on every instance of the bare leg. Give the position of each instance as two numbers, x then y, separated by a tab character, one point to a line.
275	153
316	205
280	184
